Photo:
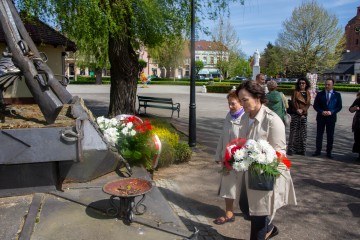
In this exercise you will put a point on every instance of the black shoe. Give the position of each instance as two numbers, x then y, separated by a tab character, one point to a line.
316	154
328	155
289	152
300	153
274	232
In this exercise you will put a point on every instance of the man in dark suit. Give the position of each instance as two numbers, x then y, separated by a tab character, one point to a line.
327	104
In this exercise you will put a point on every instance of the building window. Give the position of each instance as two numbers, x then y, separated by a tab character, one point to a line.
357	42
197	58
211	60
205	59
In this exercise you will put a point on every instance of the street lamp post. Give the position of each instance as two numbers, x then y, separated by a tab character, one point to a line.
192	106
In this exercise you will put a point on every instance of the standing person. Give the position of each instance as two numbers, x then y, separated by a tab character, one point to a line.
327	104
229	185
144	79
260	79
260	123
275	100
301	99
355	107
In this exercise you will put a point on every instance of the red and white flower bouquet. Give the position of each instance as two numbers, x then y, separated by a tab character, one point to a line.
133	138
258	156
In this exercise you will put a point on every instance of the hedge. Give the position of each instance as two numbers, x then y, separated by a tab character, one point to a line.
287	90
215	86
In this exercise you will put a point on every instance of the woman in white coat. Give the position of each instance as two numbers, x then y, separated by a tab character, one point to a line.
229	185
260	123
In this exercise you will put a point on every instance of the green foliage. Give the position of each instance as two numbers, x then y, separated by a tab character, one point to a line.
89	80
310	39
183	153
165	135
273	61
169	140
142	64
110	31
170	54
167	155
238	66
198	66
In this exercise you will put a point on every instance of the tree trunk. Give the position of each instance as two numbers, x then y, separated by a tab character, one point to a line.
98	76
124	75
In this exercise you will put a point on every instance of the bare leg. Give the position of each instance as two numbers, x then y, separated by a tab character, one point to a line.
229	206
229	213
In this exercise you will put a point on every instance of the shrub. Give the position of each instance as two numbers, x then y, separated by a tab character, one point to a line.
167	136
169	140
182	153
167	155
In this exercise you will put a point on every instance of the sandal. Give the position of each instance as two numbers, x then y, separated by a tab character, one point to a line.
222	220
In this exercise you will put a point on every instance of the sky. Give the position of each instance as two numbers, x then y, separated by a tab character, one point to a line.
258	22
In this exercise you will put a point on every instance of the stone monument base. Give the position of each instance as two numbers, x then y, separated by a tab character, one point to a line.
256	71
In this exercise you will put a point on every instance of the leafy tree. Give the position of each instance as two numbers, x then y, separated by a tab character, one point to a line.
115	30
198	66
272	61
238	65
309	39
142	64
169	55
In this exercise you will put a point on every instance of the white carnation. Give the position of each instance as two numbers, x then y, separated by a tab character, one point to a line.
125	131
239	154
129	125
111	135
113	122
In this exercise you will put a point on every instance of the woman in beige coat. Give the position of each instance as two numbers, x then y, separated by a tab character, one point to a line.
259	122
229	185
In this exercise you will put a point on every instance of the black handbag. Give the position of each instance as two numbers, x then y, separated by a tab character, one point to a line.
260	182
291	109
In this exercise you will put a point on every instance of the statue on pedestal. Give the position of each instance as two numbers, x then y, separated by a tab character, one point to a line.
256	58
256	66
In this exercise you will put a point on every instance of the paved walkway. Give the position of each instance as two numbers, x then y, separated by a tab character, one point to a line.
328	191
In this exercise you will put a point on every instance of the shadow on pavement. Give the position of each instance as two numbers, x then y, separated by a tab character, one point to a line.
188	204
335	187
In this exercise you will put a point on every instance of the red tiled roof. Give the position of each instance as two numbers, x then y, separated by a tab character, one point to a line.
204	45
41	33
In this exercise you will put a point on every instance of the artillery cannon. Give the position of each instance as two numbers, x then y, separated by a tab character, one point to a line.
56	139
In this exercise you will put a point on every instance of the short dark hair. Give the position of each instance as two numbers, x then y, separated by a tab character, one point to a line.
255	90
330	79
259	75
297	86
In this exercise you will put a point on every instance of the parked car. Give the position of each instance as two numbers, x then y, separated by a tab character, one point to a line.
239	78
293	80
269	79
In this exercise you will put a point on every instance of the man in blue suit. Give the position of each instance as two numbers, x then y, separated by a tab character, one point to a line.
327	104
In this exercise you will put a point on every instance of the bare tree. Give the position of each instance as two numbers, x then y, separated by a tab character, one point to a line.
224	35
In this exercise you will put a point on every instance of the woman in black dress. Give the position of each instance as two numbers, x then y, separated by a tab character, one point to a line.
355	107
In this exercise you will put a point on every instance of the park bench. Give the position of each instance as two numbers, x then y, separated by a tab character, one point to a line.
157	102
